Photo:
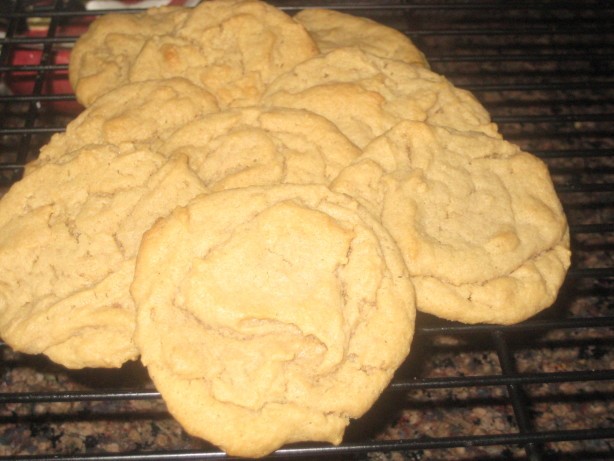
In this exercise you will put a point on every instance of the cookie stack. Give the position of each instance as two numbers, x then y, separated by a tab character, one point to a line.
255	205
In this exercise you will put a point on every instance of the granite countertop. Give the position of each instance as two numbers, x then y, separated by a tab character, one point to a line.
550	92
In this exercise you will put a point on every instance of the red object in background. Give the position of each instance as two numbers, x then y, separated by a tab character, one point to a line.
55	81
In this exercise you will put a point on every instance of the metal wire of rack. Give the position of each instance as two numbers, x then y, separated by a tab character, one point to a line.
540	390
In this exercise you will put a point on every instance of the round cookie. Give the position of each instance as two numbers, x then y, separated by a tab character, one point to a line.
477	220
254	146
69	237
233	48
129	116
365	95
101	58
270	315
332	29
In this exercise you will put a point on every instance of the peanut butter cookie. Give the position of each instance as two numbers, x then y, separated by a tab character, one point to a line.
69	238
332	29
269	315
477	220
254	146
102	57
131	116
365	95
233	48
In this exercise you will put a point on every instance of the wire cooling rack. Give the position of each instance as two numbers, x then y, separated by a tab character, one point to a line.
540	390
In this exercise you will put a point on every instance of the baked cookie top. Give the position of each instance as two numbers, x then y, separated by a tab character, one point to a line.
269	315
365	95
256	146
69	237
332	29
232	48
102	57
130	116
477	220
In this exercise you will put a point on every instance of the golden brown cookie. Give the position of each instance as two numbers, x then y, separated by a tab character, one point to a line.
365	95
333	29
130	116
254	146
269	315
102	57
477	220
69	237
232	48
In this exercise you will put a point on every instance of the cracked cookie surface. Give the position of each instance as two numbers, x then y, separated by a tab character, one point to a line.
69	238
255	146
102	57
366	95
233	48
477	220
131	116
269	315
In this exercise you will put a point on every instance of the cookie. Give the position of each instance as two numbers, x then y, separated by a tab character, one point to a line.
129	116
365	95
254	146
102	57
269	315
332	29
69	237
232	48
477	220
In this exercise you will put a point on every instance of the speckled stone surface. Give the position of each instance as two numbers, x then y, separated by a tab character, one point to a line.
541	82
